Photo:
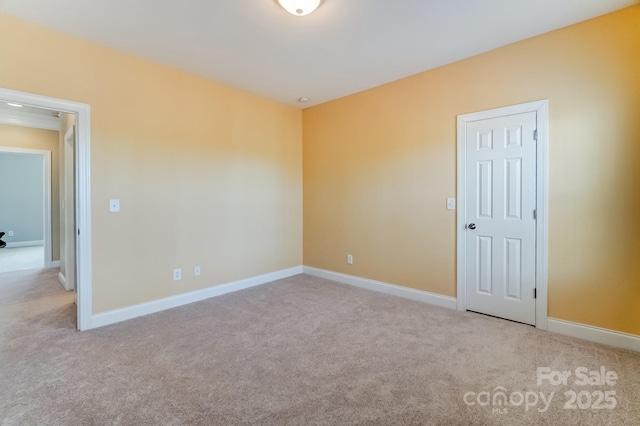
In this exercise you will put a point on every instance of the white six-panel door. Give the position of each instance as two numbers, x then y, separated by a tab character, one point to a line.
500	227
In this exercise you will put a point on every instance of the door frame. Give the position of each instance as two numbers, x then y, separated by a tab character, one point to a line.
68	279
83	190
46	228
542	200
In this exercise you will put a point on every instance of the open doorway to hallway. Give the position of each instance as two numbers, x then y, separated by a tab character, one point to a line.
80	231
37	190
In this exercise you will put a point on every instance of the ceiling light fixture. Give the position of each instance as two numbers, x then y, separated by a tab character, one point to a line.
14	105
299	7
303	100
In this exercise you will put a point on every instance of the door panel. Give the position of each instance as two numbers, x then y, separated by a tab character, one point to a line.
513	190
500	200
513	268
484	265
485	189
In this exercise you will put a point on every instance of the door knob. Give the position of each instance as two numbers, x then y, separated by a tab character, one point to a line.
471	226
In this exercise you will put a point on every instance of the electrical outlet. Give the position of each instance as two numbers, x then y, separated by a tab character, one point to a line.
196	271
350	259
10	234
177	274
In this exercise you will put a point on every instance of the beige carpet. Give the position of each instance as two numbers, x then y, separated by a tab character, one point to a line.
300	351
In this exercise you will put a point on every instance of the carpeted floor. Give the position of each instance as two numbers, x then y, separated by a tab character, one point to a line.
300	351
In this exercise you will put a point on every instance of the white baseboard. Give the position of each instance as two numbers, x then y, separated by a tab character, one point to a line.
567	328
25	244
395	290
130	312
595	334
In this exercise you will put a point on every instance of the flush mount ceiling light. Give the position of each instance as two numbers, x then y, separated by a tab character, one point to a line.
14	105
299	7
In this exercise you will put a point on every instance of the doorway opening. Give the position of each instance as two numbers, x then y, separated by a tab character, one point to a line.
25	197
80	232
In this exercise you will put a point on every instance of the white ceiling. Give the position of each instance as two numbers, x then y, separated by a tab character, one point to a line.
344	47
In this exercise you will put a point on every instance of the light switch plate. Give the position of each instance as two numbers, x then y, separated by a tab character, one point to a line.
451	203
114	206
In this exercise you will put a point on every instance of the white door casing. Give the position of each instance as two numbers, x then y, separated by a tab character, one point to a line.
70	209
501	181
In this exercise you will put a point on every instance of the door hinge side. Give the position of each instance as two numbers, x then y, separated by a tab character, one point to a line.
535	214
535	293
535	135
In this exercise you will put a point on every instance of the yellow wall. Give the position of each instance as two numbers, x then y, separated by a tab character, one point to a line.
207	175
46	140
379	164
